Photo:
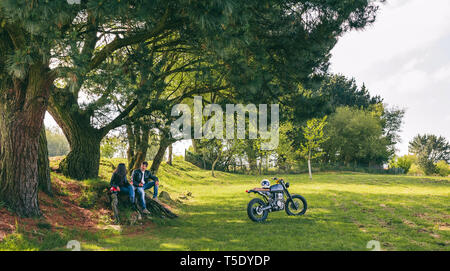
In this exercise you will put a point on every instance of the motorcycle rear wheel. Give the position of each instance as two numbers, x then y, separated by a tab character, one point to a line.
299	202
254	212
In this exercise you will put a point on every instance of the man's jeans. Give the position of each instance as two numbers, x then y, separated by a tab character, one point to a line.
128	190
141	194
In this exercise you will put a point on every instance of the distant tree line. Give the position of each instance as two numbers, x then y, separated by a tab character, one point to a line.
56	142
429	155
333	122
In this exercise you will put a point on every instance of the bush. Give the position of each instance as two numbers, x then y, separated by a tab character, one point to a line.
427	165
405	162
442	168
415	170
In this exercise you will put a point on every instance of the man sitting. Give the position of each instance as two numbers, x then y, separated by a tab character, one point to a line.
141	181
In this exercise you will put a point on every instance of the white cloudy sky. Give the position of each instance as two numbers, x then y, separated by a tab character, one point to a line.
404	57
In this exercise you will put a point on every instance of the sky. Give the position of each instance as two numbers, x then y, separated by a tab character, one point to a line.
405	58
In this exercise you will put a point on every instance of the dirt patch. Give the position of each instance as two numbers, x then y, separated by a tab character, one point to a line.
432	234
409	223
444	227
138	231
66	213
9	223
59	211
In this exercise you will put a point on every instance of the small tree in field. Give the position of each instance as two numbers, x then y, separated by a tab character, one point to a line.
429	150
314	136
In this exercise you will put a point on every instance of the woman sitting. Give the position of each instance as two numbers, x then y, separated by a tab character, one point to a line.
119	183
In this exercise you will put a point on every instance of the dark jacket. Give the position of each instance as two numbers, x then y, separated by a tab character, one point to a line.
136	177
117	180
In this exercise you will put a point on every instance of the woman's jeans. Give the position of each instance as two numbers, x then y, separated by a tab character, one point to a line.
128	190
141	194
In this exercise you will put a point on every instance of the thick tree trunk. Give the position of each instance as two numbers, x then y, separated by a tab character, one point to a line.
138	137
252	163
83	160
18	163
22	109
159	157
43	164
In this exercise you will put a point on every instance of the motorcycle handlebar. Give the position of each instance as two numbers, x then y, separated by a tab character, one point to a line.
278	180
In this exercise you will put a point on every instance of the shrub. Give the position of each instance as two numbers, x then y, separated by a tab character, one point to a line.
415	170
427	165
442	168
404	162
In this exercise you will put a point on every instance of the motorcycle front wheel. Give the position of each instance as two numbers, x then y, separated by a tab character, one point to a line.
254	210
296	206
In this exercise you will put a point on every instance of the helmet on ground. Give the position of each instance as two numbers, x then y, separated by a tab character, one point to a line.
265	183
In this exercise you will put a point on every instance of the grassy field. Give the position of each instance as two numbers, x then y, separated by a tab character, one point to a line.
345	211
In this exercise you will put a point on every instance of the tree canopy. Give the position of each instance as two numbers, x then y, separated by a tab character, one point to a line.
64	57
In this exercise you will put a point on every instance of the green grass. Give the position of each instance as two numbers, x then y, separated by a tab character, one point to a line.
345	211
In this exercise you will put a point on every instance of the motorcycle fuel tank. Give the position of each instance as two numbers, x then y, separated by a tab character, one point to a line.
276	188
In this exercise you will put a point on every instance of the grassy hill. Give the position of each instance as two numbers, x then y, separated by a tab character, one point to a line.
346	210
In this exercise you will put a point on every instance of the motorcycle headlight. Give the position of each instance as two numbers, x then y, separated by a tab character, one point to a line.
287	185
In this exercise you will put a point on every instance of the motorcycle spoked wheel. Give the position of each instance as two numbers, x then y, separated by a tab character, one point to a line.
299	202
254	212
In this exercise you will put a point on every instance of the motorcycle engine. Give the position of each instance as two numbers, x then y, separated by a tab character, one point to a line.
278	201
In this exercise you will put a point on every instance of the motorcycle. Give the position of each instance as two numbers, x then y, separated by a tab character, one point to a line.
274	198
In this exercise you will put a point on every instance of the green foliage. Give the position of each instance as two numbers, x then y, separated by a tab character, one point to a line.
392	120
15	242
415	170
56	143
430	149
286	154
113	146
340	91
428	167
314	136
405	162
442	168
355	136
92	191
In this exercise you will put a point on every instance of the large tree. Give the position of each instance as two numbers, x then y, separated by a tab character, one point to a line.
257	43
256	40
355	137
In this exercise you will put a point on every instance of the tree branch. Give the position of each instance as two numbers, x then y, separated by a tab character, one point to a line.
122	42
119	120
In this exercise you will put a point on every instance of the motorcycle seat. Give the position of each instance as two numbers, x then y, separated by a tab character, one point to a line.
261	189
